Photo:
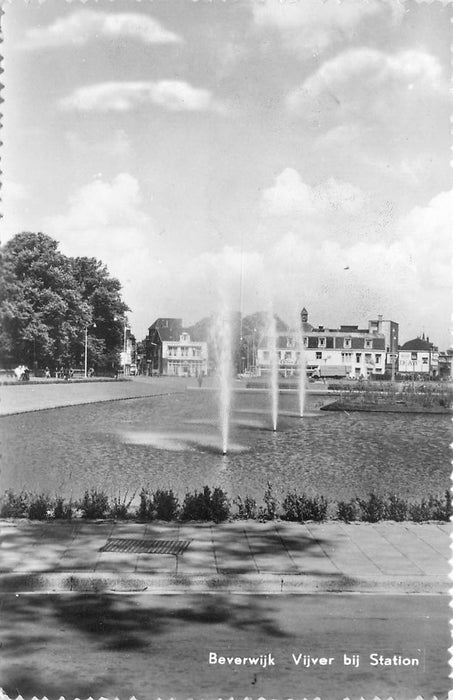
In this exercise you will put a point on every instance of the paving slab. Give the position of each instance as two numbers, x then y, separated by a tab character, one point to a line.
304	544
381	551
200	556
407	541
437	536
232	550
269	551
84	551
343	553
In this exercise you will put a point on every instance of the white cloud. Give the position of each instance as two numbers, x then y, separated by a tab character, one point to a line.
313	25
290	195
360	80
426	238
173	95
85	25
103	219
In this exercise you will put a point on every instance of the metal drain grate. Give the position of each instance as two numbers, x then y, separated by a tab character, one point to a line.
176	547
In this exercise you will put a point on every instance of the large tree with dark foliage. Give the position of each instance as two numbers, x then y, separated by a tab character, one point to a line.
48	300
102	293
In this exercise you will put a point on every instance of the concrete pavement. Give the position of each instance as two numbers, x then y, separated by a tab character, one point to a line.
21	397
239	556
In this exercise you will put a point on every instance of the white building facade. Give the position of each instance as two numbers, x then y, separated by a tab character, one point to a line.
347	351
419	358
184	357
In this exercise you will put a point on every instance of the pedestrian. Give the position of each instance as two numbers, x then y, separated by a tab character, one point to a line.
47	373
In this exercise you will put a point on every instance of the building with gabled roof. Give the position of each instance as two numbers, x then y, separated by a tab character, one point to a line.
419	358
170	350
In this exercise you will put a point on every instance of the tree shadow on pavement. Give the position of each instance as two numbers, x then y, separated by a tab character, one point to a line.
34	625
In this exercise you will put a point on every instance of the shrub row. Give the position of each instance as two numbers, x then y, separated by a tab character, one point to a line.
215	506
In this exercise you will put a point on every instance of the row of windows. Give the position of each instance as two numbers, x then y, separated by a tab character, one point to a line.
413	361
347	343
183	351
346	357
322	342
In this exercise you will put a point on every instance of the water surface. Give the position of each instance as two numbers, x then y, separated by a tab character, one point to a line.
174	442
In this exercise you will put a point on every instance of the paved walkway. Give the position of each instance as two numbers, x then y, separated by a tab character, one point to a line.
22	397
242	556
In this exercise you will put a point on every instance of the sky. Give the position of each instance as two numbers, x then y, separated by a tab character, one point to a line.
261	155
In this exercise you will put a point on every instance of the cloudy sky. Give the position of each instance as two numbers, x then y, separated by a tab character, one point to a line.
291	153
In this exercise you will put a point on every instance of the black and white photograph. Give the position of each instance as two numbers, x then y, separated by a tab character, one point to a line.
225	349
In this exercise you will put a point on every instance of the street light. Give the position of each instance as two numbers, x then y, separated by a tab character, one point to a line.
123	320
93	325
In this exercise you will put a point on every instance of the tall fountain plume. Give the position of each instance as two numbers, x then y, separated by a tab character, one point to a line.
274	366
223	344
302	370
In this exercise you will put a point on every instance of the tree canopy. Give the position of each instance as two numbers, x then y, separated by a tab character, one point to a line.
48	300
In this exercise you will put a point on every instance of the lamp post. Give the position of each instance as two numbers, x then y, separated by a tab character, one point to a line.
124	349
125	327
93	325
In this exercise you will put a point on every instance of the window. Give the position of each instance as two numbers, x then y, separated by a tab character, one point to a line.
319	355
414	356
346	357
425	360
305	342
171	351
346	342
378	358
321	342
184	352
368	343
265	354
368	357
358	357
288	355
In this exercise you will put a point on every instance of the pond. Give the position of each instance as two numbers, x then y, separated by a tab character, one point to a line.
173	442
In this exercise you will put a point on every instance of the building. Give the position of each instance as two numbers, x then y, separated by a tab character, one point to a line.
347	351
419	359
170	350
445	365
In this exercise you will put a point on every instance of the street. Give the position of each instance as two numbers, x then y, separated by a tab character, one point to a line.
277	646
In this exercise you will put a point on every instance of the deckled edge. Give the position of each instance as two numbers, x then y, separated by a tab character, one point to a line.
3	696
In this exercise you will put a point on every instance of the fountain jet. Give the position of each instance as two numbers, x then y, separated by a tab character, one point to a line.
274	361
223	344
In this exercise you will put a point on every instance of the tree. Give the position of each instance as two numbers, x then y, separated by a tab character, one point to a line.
42	312
47	300
103	295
